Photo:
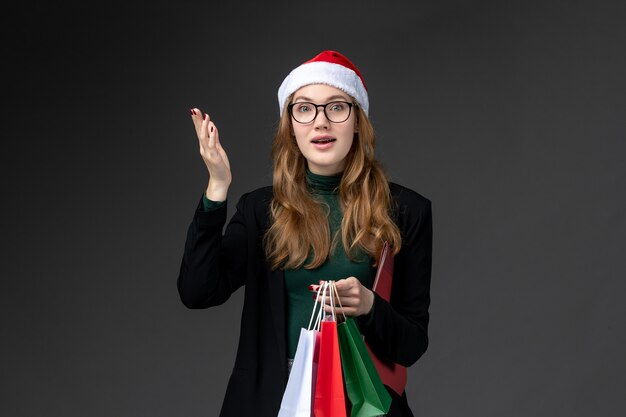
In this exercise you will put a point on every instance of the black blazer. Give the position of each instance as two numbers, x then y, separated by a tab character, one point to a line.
215	265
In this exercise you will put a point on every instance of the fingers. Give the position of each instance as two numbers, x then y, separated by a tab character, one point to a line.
206	130
354	299
197	117
349	291
349	287
216	135
347	311
347	284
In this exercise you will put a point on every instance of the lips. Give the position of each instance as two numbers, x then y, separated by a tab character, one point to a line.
318	140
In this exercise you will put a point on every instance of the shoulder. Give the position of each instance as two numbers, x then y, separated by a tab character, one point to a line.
256	204
405	197
409	207
262	195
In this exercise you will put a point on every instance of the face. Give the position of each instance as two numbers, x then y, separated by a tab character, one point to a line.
323	143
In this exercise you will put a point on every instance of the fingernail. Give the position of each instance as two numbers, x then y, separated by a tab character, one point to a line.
315	297
211	129
310	287
205	116
193	112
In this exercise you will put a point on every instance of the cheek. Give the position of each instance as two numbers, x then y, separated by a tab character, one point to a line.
350	129
299	140
348	136
298	132
349	144
301	134
298	136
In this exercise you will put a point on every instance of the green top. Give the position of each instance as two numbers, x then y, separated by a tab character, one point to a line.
299	300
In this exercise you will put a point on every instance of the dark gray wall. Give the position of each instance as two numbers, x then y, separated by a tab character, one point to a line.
509	116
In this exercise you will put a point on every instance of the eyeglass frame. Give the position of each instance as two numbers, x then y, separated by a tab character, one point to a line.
317	106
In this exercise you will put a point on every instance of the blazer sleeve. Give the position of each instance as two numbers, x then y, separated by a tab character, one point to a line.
213	264
398	330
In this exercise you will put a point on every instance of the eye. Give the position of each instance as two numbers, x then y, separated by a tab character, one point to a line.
302	107
336	107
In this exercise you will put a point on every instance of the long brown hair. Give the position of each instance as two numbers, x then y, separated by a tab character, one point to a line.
299	225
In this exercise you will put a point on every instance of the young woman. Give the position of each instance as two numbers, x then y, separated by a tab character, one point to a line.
326	217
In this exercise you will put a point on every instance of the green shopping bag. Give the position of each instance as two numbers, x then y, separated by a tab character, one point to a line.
367	394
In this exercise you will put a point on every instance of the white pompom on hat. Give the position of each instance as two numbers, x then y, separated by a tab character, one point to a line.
330	68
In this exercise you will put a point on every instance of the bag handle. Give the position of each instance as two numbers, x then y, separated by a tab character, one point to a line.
331	284
334	289
328	289
317	319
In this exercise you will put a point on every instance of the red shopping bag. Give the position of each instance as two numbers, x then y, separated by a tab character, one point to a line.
330	400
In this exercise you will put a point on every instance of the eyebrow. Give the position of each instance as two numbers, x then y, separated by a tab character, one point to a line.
329	99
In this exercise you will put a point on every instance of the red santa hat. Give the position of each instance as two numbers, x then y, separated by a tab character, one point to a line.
330	68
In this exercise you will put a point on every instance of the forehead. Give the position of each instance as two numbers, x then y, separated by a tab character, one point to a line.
320	92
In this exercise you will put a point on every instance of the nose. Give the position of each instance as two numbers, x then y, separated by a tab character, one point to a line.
321	121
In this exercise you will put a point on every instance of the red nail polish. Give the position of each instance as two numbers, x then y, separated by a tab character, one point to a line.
193	112
211	129
205	116
310	287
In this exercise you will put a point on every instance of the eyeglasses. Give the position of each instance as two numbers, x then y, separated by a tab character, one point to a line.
305	112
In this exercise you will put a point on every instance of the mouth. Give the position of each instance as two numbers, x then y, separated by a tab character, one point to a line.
322	140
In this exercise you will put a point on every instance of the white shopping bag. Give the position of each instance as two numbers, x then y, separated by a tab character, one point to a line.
300	391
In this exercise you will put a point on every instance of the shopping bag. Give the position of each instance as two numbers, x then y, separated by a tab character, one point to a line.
329	390
392	374
298	396
366	392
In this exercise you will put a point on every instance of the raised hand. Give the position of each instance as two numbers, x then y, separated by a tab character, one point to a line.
213	155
